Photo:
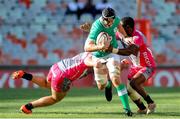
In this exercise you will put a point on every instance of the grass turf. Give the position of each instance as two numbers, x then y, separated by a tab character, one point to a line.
87	103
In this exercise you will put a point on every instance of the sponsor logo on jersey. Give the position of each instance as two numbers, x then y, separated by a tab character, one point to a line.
146	59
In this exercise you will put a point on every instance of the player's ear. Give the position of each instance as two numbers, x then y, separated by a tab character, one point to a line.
128	30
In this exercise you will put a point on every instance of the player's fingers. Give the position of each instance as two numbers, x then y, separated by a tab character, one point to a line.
110	38
85	27
129	43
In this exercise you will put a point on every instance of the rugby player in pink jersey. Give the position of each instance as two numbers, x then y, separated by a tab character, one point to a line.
143	62
59	79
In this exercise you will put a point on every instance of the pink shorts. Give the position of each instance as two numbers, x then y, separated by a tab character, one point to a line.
56	77
146	71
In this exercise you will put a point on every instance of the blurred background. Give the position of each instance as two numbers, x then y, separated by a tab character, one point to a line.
34	34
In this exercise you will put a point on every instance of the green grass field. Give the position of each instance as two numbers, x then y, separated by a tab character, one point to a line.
87	103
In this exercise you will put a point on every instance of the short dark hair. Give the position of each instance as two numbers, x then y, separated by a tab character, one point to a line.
127	21
108	13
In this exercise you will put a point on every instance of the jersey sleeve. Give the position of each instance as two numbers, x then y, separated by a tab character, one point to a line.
138	40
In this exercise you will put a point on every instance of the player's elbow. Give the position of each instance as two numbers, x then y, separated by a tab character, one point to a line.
87	46
86	49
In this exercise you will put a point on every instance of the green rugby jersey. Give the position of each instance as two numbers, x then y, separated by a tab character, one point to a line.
98	27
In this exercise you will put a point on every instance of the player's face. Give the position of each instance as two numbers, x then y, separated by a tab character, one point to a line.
108	22
128	29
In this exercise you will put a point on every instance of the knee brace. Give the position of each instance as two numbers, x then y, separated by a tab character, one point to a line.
100	75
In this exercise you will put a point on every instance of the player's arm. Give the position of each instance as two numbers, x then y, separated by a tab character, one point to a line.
89	71
92	63
131	49
90	46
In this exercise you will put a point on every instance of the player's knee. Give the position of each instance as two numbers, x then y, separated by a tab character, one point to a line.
115	76
116	81
101	84
101	87
47	84
57	98
101	79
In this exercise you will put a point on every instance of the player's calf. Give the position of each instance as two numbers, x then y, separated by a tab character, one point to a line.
136	98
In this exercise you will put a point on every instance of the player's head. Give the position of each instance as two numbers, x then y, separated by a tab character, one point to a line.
128	25
108	16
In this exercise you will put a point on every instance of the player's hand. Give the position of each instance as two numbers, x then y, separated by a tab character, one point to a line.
124	64
128	40
110	48
134	48
85	27
104	44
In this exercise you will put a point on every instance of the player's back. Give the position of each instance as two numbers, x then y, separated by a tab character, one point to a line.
145	56
73	67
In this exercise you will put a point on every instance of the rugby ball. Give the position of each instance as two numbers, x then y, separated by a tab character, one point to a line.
102	37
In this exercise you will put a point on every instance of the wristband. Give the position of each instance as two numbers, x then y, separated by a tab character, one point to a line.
115	50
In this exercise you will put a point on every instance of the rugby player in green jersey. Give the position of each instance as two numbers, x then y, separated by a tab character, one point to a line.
110	24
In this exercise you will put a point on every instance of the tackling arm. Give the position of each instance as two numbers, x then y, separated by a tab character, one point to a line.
131	49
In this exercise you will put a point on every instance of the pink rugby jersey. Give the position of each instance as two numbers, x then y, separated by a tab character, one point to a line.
74	67
144	57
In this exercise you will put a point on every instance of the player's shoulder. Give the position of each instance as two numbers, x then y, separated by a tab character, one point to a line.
95	28
116	21
139	37
138	33
97	23
117	18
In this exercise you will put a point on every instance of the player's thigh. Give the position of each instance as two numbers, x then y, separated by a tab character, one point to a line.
113	65
139	75
100	73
